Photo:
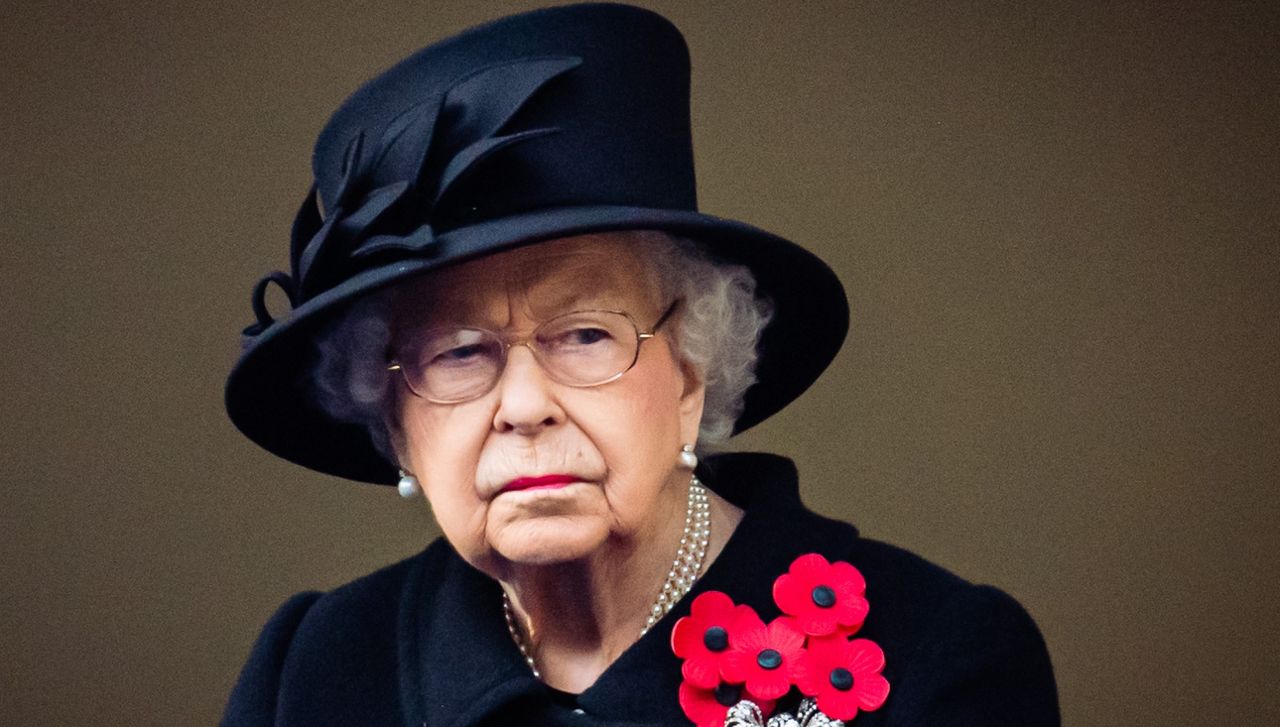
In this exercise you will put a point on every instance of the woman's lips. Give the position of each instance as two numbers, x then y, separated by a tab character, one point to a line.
541	482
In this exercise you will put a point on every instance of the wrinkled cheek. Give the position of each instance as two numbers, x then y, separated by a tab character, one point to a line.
446	454
459	513
659	415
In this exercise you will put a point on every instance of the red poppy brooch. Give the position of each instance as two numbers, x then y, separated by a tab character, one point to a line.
737	669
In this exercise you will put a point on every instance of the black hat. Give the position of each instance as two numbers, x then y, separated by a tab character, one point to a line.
552	123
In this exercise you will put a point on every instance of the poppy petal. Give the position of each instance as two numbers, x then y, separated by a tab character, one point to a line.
701	672
848	576
809	567
872	690
864	657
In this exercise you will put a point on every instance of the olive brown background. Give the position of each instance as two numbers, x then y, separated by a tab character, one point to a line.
1058	227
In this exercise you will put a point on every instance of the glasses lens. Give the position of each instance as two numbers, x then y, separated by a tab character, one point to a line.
587	347
456	364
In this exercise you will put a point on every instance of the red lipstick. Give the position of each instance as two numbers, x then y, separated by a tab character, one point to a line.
542	482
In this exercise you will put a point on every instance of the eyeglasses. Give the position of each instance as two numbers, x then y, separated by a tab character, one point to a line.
453	364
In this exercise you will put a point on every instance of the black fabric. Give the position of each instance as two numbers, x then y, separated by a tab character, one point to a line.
568	700
424	641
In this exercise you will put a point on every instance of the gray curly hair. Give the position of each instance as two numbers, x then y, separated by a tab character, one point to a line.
721	321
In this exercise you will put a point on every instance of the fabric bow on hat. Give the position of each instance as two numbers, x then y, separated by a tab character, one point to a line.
392	195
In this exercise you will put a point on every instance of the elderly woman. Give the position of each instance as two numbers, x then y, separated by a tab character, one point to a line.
505	299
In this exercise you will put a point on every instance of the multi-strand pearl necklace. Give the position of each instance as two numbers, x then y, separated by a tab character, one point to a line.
685	569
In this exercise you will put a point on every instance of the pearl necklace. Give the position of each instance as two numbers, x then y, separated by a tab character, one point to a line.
685	569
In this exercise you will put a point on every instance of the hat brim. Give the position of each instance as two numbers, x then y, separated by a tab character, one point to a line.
270	397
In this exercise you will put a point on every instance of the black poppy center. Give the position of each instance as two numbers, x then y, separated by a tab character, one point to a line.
728	694
769	659
841	679
823	597
716	638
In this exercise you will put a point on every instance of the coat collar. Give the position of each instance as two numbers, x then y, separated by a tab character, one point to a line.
458	663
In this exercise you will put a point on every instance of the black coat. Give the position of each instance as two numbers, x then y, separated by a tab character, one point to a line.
424	642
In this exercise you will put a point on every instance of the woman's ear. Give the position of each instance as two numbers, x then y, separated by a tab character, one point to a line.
692	399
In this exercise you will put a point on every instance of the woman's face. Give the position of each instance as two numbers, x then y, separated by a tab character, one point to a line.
618	442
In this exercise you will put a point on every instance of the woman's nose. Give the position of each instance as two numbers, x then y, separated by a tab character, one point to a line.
526	401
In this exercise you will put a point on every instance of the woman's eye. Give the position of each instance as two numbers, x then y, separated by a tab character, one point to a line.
589	335
582	337
459	355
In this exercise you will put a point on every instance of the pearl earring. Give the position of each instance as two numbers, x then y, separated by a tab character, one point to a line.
687	457
408	485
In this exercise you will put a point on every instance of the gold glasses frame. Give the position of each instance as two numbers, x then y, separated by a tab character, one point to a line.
509	342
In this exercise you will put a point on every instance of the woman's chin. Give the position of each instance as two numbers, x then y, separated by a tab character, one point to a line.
549	540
